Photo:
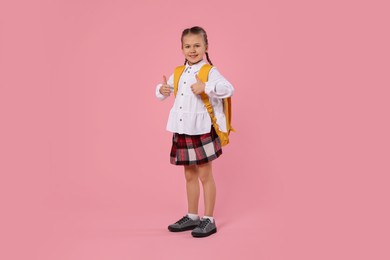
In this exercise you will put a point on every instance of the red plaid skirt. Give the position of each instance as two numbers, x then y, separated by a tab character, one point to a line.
195	149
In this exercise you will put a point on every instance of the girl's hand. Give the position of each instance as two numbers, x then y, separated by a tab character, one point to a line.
164	89
198	87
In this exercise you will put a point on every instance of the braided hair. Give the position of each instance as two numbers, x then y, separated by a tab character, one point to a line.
200	31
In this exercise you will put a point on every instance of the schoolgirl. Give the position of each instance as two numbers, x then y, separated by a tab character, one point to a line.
195	143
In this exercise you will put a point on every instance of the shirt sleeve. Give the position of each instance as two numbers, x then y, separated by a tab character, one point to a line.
170	83
217	86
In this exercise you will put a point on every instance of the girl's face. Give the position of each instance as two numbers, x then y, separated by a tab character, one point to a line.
193	48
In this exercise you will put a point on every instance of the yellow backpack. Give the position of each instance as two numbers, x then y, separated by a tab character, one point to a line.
227	102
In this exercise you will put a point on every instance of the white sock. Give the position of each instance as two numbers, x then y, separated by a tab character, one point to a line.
211	218
193	216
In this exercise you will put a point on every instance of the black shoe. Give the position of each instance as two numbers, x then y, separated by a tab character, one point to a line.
205	228
183	224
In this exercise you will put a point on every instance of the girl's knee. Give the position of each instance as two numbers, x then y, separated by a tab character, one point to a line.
205	177
205	172
191	173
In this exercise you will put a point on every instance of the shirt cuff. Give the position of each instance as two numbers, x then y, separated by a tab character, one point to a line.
158	94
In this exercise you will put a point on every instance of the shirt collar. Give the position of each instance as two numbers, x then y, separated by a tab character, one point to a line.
197	65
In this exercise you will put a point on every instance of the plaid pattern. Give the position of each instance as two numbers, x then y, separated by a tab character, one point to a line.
195	149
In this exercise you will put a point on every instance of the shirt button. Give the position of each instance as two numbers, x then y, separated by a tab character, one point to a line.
180	107
182	94
184	82
181	120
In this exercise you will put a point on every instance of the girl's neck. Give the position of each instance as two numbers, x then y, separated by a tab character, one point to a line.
189	63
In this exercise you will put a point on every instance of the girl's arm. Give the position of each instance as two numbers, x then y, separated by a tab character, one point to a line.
217	86
170	83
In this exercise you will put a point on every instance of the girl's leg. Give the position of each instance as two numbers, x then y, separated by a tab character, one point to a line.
209	189
192	185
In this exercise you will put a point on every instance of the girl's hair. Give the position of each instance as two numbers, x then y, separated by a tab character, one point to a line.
200	31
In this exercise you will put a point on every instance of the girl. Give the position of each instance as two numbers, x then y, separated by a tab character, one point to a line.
195	143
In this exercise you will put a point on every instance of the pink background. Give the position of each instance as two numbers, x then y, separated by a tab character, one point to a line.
84	160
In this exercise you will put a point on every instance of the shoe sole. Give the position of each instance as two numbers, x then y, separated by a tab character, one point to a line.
173	229
204	234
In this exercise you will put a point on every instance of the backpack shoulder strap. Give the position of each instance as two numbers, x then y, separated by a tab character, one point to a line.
204	76
204	72
176	76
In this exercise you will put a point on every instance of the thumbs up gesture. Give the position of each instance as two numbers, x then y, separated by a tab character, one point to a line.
165	89
198	87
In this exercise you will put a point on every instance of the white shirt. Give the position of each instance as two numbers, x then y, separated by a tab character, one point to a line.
188	114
